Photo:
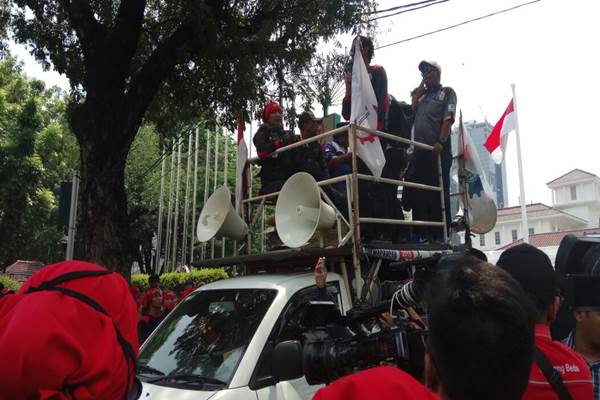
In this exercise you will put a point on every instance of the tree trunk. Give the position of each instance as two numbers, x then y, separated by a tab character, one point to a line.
103	223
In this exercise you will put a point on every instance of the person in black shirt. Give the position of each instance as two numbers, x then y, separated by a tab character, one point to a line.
275	168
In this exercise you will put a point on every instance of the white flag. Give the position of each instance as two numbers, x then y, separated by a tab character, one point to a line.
364	113
479	196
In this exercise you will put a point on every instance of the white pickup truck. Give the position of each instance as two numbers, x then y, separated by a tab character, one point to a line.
220	342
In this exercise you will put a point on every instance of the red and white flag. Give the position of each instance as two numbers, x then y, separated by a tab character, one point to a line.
364	113
496	141
240	170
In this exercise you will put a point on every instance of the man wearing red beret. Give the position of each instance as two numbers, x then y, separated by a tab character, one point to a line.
275	168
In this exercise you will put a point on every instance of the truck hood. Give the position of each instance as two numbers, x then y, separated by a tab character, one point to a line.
156	392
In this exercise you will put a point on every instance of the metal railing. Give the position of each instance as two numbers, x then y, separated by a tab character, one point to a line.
352	193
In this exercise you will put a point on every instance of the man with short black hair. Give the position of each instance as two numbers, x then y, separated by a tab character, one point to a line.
310	157
479	346
533	269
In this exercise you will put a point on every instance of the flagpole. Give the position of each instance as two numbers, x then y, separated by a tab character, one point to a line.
195	194
521	180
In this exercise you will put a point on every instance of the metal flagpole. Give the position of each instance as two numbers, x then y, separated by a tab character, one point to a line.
176	206
216	169
160	210
462	182
73	216
194	195
206	180
521	180
186	208
170	210
225	169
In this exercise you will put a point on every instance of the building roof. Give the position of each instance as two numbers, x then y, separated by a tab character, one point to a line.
21	270
571	176
534	210
550	238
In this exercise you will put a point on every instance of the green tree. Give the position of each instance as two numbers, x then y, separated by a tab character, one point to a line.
36	152
177	58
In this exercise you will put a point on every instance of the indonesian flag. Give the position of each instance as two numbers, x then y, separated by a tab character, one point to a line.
240	170
364	113
496	142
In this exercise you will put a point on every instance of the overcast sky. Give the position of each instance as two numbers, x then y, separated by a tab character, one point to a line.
549	49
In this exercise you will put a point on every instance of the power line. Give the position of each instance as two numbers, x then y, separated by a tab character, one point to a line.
459	24
405	11
398	7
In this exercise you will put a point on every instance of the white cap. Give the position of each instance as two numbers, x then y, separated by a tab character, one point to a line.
433	64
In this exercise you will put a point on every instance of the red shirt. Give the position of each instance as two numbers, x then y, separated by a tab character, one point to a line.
380	383
573	370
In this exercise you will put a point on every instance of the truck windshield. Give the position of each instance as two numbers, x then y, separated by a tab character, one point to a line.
205	336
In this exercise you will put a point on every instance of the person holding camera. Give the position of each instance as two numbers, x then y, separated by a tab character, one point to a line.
585	338
558	372
480	343
274	168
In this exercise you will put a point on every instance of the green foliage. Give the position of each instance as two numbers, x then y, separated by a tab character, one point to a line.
37	151
176	280
173	63
9	283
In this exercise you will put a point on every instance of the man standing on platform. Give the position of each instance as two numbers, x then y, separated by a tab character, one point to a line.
434	108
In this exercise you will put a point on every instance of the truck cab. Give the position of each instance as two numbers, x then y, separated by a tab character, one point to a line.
219	342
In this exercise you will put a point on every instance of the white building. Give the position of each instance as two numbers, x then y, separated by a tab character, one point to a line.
575	209
578	193
540	219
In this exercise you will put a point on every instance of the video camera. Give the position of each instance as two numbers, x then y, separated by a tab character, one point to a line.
578	262
336	345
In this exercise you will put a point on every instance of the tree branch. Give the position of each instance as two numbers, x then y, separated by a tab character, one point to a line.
124	39
158	67
89	31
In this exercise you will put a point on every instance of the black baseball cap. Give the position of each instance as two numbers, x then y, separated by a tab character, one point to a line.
533	269
307	116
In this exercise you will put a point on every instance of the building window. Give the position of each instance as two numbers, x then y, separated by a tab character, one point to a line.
482	240
573	192
531	231
497	237
514	235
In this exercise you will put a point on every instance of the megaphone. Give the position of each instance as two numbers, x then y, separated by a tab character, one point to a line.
482	214
218	218
300	212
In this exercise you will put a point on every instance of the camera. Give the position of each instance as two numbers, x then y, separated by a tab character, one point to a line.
336	345
578	264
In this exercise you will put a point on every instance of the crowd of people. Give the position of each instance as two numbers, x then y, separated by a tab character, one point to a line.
71	332
155	304
428	120
489	338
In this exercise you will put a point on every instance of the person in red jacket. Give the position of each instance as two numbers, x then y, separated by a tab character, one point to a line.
170	300
69	333
532	268
153	315
479	345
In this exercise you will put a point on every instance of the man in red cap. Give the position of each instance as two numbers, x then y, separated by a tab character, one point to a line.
68	333
275	168
479	344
